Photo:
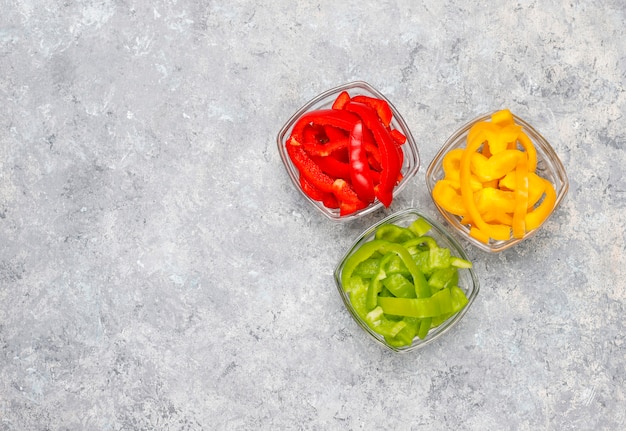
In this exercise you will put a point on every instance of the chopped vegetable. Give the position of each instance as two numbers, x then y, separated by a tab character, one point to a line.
491	184
402	283
353	142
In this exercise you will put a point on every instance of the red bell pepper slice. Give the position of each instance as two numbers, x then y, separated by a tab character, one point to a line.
349	201
314	133
328	199
308	168
333	167
333	133
341	100
325	117
359	166
387	147
310	190
380	105
316	149
397	136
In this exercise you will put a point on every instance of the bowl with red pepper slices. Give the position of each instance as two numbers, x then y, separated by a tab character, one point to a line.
496	181
348	151
406	281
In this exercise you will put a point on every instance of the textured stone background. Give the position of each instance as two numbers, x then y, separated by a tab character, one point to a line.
159	271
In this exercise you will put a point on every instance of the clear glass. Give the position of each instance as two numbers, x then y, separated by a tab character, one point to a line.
324	101
549	166
468	281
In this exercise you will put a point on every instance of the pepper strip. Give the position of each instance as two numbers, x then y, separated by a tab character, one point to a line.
541	213
349	201
368	249
359	166
332	167
381	106
521	197
433	306
388	151
527	144
341	100
448	198
497	232
324	117
324	150
308	168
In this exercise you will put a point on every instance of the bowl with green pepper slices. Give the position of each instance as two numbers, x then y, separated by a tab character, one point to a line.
406	281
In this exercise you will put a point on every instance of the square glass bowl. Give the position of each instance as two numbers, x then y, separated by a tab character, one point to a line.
325	100
468	281
549	166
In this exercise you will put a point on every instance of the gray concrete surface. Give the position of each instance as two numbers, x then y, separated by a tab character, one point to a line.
159	271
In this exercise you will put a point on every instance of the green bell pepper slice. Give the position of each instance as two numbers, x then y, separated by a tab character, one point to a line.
368	268
369	248
443	277
393	233
399	286
441	303
420	227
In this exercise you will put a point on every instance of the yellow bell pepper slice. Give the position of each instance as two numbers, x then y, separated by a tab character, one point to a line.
451	165
504	117
530	149
496	166
521	198
495	231
491	199
476	233
540	214
536	186
448	198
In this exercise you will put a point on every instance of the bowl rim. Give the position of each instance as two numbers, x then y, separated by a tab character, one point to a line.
546	154
456	249
411	158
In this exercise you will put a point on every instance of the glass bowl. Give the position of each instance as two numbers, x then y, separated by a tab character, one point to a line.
468	281
325	100
549	166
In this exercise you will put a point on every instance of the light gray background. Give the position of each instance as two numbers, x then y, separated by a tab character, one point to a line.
159	271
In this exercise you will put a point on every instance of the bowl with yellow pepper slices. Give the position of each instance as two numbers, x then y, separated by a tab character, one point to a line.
496	181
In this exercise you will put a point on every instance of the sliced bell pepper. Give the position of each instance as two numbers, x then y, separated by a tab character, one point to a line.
496	166
393	233
339	118
359	166
310	190
388	152
333	167
308	168
341	100
498	193
349	201
398	136
317	149
420	226
451	165
448	198
381	107
444	302
521	198
333	133
536	217
498	232
536	186
392	295
503	117
530	149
